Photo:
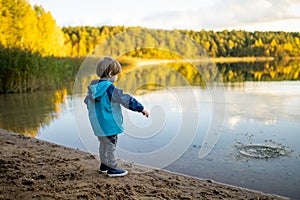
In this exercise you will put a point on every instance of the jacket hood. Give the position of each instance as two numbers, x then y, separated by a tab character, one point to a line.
98	88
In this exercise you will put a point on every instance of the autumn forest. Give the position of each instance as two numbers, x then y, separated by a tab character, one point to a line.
32	45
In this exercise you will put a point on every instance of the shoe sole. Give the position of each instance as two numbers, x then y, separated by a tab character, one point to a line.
118	175
103	172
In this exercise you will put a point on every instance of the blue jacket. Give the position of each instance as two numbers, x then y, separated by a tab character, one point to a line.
103	102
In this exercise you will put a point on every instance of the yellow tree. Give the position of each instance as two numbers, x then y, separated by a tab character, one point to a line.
29	31
51	40
13	14
4	23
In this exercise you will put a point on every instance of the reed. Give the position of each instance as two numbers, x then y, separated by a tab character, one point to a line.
24	71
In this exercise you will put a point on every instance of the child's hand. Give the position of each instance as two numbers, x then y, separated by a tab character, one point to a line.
146	113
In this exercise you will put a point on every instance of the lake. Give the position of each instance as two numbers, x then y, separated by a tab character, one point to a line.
201	130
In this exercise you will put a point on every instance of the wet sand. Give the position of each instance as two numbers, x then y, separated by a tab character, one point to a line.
35	169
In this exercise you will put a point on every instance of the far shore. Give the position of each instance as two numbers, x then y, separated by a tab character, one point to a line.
36	169
141	62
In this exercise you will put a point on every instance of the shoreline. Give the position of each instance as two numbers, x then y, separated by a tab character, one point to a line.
36	169
141	62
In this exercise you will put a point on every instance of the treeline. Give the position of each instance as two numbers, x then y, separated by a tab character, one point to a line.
82	40
34	29
242	43
35	53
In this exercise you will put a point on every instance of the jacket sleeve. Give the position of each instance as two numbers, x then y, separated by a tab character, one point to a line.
116	95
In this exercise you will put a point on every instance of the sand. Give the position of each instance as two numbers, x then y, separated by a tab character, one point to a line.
36	169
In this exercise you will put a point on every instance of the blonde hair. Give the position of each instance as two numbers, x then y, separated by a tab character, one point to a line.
106	66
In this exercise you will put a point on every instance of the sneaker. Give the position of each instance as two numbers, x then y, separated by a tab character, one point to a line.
114	172
103	168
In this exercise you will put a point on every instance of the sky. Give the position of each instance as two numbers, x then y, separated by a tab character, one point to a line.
216	15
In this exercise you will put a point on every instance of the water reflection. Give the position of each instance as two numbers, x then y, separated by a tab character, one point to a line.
266	102
183	73
27	113
260	71
256	113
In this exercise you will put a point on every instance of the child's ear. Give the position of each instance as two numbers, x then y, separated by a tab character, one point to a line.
110	74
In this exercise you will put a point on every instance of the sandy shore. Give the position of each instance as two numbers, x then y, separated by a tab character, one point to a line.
35	169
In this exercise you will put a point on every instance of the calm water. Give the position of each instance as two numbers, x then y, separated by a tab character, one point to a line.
184	121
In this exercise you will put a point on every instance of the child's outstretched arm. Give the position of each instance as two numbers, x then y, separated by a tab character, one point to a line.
126	100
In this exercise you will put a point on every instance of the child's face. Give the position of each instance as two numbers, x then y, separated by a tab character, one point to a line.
114	78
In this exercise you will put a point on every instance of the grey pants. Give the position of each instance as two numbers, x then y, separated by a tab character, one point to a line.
107	150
